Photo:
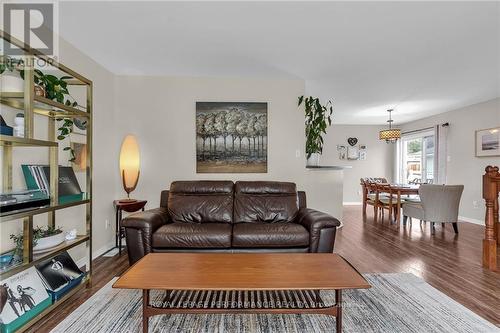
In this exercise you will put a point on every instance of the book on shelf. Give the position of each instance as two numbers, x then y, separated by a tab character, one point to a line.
22	297
59	274
38	177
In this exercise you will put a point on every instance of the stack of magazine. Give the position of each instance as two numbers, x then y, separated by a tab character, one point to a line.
41	176
38	177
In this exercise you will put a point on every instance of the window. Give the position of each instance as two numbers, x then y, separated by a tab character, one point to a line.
416	158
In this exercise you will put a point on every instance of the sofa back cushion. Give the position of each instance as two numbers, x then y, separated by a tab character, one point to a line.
201	201
263	201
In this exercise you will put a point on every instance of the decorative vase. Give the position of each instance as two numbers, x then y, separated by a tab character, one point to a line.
47	243
313	160
19	128
11	82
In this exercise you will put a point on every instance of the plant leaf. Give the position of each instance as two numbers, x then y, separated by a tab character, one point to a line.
52	79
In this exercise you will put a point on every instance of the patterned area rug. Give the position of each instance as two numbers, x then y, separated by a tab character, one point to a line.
395	303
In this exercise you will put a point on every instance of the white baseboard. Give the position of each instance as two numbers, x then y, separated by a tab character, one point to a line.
467	219
104	249
351	203
96	253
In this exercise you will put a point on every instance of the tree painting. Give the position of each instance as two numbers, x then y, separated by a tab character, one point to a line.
231	137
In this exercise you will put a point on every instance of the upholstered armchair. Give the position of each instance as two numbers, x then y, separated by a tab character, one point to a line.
438	203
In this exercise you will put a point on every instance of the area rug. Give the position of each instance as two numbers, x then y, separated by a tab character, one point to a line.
395	303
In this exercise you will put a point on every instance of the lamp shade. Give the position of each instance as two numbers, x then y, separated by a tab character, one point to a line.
392	134
129	163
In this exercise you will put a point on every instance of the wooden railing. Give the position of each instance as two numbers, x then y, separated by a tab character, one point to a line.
491	187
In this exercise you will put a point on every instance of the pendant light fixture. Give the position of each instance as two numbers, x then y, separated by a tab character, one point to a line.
390	135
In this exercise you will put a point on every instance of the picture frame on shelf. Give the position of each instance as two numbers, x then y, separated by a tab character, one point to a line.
80	151
488	142
80	126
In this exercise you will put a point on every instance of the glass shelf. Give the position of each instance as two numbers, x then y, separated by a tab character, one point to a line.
7	140
37	211
38	258
42	105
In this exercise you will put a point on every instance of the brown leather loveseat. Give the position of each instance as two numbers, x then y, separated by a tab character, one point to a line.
222	216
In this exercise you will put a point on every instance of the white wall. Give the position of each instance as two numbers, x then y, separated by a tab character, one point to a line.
463	167
160	111
379	161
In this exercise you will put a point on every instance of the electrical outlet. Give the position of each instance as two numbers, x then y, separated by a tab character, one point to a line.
297	153
107	224
475	204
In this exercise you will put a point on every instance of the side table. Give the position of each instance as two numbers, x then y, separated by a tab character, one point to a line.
128	207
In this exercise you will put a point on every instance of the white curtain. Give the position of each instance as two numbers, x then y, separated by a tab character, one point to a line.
440	153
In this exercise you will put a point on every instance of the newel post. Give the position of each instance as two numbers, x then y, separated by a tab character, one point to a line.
490	195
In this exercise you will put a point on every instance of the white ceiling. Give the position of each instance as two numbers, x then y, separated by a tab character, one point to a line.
422	58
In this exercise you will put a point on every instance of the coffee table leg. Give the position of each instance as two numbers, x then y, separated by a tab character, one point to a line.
145	304
338	305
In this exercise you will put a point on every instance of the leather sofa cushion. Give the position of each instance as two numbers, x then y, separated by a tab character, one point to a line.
262	201
190	235
279	234
201	201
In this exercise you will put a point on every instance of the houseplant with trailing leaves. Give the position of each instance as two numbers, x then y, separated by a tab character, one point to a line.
52	87
318	118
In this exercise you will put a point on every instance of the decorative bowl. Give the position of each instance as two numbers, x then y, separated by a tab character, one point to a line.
47	243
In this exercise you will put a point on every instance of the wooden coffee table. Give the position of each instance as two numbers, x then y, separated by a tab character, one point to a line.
266	274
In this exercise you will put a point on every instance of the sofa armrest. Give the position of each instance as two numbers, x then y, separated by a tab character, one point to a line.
139	229
322	228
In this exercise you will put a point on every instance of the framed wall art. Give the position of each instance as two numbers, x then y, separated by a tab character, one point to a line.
488	142
231	137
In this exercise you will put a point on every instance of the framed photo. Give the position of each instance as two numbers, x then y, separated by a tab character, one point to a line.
80	126
488	142
342	152
80	162
362	152
352	153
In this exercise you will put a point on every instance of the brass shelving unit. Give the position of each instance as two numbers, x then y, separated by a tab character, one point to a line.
32	104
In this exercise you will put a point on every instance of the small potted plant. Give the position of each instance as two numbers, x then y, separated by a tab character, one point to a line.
318	119
43	239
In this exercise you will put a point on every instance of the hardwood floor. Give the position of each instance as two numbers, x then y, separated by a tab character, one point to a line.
449	262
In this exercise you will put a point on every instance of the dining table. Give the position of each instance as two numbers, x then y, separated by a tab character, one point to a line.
399	190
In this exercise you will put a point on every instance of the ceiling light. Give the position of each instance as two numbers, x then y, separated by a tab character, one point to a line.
390	135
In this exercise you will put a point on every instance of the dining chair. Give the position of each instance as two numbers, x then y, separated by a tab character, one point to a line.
386	200
369	191
438	203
